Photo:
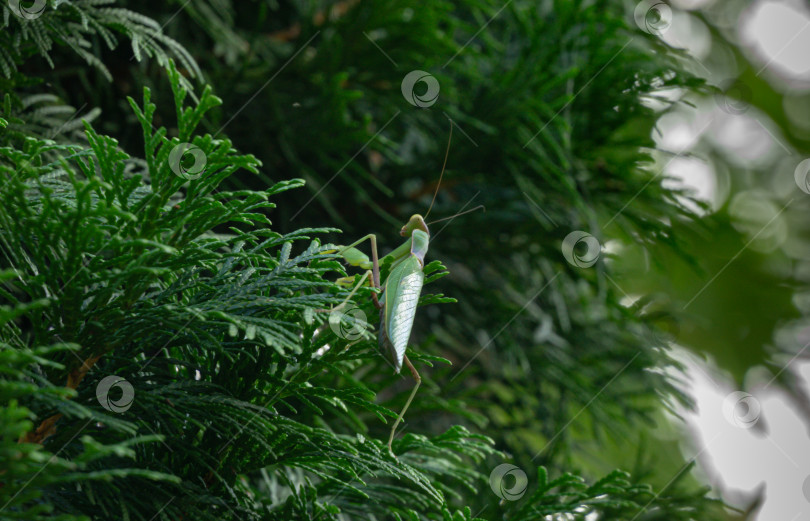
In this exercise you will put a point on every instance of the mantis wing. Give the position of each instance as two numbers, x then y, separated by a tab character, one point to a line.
402	290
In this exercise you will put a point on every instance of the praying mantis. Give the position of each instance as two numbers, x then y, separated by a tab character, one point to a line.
399	293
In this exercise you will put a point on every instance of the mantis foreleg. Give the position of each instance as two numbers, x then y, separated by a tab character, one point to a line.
375	265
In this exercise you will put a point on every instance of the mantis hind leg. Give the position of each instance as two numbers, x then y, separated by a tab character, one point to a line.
418	379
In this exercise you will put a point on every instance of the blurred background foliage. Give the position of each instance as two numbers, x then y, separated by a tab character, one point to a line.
557	109
740	151
744	311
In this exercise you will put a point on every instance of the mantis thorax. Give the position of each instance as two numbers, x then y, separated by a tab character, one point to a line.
417	230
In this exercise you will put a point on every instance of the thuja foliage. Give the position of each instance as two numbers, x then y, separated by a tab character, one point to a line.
209	300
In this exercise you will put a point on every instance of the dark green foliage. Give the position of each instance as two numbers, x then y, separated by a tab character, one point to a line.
78	25
208	294
215	331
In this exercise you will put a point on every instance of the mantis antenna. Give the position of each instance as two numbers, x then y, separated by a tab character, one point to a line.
446	155
479	207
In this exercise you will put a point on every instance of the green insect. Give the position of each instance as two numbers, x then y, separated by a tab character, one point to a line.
399	297
399	292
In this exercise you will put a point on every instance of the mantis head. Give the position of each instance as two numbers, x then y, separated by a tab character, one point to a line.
416	222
